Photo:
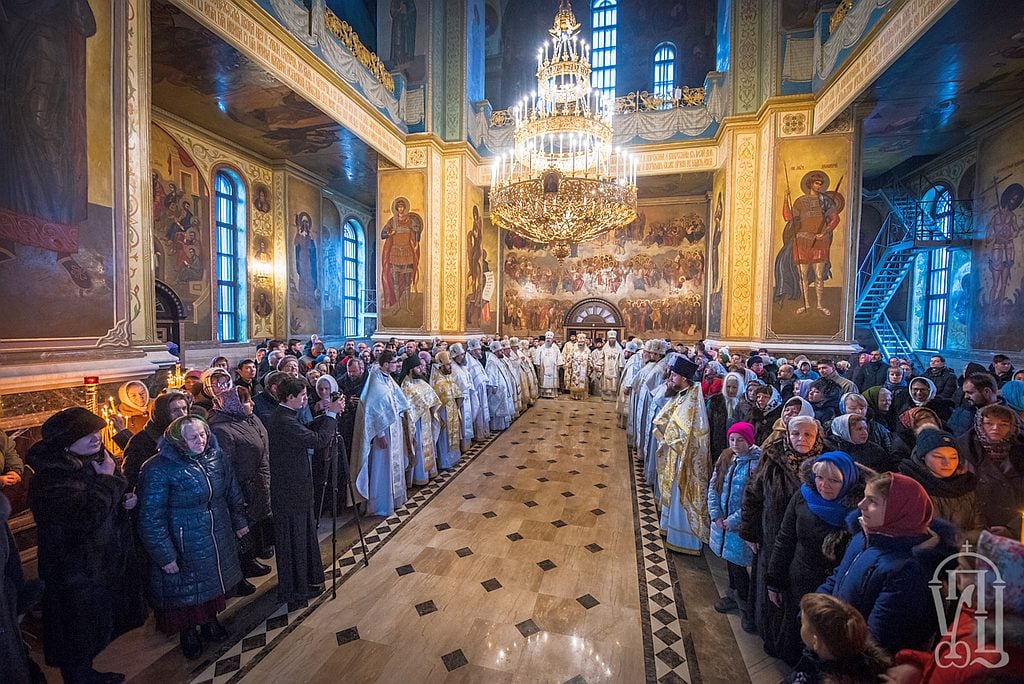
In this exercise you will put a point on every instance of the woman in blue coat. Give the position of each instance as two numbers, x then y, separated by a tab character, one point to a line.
191	511
890	560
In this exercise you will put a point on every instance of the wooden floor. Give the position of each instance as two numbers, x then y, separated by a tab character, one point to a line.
537	559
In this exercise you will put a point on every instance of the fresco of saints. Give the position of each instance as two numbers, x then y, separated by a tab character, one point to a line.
803	263
400	255
403	31
306	270
1000	234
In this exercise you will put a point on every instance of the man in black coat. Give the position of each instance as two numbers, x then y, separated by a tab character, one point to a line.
942	377
350	384
299	567
871	374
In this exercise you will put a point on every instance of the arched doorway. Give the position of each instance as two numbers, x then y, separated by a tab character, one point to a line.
170	313
595	317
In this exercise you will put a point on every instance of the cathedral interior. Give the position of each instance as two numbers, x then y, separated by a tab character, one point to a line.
189	179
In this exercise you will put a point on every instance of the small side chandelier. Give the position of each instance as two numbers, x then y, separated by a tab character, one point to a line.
562	183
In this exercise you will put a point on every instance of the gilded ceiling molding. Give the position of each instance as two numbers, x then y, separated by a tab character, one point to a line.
900	32
259	37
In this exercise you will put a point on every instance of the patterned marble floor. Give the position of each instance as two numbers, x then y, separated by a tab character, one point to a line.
523	567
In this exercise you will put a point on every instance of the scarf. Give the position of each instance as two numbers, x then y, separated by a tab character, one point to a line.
1013	394
832	511
931	390
995	451
794	460
952	487
841	427
122	394
872	394
908	510
176	438
229	403
909	417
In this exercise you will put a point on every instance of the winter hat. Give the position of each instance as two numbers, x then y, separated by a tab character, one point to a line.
684	367
161	407
929	439
908	510
744	430
443	357
66	427
754	359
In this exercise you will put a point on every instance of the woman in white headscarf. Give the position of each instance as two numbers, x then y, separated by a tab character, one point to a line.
725	409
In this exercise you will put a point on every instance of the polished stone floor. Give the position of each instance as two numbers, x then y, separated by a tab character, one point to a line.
536	559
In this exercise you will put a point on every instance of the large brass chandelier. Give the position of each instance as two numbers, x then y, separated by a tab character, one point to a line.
562	182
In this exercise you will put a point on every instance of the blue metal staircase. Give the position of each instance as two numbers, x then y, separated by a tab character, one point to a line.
909	229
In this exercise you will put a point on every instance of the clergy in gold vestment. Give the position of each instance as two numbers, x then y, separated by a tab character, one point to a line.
423	420
578	371
449	414
683	465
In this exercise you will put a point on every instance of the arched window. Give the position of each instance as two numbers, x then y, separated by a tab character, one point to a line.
604	15
664	71
230	242
353	277
937	219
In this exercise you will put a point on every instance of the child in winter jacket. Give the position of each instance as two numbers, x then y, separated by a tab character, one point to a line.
725	498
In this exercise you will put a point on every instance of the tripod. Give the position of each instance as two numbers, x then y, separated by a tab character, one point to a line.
332	480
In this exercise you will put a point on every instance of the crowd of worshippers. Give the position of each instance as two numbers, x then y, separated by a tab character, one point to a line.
205	482
833	491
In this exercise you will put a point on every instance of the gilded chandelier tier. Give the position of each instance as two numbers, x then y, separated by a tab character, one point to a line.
562	183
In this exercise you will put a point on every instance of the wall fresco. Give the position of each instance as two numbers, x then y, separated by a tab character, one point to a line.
403	249
304	256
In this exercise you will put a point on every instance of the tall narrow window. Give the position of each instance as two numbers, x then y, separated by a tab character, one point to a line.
664	71
353	277
604	14
939	205
230	242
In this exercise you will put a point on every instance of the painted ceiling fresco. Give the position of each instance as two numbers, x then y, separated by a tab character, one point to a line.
966	70
202	79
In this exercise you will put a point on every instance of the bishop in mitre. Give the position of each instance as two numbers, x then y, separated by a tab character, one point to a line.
612	361
578	370
548	359
449	415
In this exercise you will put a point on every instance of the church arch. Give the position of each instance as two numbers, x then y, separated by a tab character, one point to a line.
170	313
593	316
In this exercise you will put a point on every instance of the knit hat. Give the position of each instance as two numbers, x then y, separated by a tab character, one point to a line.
929	439
66	427
754	359
684	367
744	430
443	357
908	510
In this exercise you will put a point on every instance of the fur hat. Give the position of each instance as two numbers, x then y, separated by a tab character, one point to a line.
66	427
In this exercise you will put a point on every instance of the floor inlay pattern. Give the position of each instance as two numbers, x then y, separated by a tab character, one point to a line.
537	560
668	647
236	660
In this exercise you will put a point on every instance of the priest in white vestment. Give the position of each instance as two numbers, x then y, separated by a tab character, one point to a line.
596	367
650	355
471	363
518	398
612	360
526	361
548	359
500	389
634	362
469	399
380	446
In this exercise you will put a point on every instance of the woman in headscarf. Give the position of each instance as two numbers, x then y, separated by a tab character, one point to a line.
857	404
79	503
994	450
191	512
795	406
936	465
243	440
879	401
911	422
1013	394
712	379
849	433
724	410
765	500
812	539
167	408
135	405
